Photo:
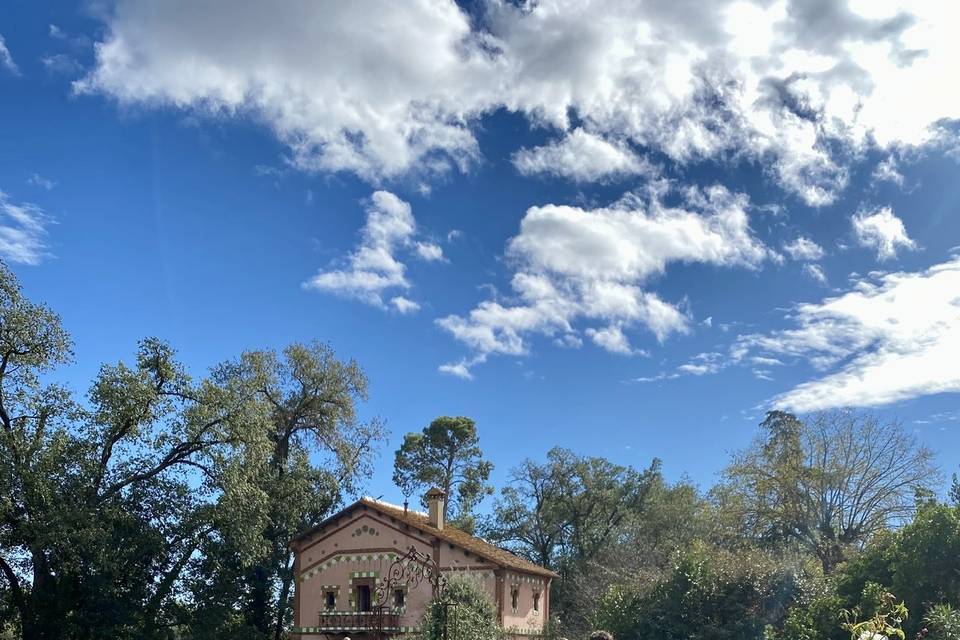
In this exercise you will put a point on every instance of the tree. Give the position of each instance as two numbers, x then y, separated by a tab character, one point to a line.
828	484
98	513
118	515
573	514
446	454
313	452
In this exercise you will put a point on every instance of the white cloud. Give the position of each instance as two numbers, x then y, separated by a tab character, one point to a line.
461	368
376	88
6	60
884	341
611	338
61	63
882	231
800	89
803	249
591	265
429	251
23	231
583	157
404	305
816	272
36	180
887	171
702	364
373	268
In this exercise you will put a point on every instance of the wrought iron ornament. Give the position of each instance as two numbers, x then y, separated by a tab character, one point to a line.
410	571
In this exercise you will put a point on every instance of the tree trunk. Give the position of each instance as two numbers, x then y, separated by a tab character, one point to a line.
286	582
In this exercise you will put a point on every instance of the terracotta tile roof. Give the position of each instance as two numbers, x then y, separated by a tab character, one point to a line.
449	534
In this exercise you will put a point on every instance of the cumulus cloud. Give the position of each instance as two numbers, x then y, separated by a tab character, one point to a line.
803	249
373	267
384	88
884	341
575	265
883	231
23	231
582	157
611	338
6	60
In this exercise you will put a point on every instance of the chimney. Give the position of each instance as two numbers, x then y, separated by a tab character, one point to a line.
435	498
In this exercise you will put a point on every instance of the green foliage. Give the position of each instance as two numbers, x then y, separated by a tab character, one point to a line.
710	594
941	622
447	455
120	514
467	610
816	619
587	518
878	615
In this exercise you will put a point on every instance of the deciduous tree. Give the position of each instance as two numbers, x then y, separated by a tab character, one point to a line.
829	483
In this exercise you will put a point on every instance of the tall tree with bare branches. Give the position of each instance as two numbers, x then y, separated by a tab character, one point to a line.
828	483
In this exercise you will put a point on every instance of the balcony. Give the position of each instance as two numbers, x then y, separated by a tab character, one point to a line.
359	620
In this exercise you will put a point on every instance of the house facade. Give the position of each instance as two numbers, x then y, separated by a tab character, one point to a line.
339	564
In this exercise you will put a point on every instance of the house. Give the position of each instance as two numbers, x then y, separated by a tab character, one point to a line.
340	563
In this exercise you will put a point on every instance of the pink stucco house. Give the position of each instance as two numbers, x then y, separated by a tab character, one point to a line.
340	562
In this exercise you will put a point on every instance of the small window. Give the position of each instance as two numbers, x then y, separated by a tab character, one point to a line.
331	600
514	598
536	602
399	597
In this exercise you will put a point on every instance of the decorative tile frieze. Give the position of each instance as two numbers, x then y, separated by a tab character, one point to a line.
347	557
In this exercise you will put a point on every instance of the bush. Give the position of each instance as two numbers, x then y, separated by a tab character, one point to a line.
711	594
472	612
941	622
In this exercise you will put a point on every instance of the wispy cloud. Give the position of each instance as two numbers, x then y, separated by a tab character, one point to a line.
885	340
803	248
23	231
36	180
6	59
815	272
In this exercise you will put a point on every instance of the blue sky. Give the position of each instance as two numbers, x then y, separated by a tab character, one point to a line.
626	232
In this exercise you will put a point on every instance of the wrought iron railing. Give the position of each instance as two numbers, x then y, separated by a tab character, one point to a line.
358	620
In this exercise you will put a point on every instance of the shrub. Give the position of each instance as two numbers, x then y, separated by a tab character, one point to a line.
941	622
471	612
